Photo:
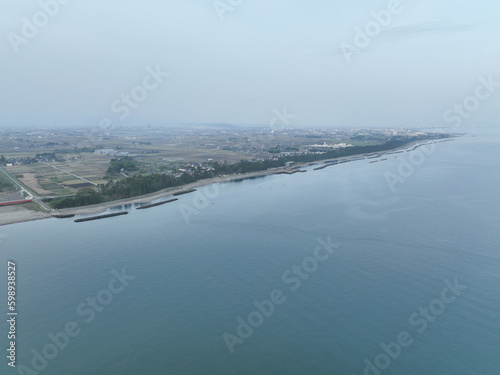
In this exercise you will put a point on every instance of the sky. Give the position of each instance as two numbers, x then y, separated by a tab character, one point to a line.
320	63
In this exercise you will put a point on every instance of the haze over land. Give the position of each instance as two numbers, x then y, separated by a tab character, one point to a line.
238	64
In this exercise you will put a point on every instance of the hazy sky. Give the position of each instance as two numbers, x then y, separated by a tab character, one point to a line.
238	63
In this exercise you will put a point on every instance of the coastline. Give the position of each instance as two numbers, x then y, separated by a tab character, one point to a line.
17	214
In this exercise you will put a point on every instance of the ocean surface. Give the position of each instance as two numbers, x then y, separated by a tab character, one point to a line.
390	267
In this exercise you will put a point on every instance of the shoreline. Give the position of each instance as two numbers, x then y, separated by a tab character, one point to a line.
20	214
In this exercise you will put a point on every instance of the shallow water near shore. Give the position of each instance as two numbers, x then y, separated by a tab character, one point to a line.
198	264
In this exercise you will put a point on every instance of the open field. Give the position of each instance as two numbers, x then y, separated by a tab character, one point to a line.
30	180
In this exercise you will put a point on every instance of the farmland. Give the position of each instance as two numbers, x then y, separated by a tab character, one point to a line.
45	180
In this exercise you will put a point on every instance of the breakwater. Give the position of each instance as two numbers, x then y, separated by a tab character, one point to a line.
291	172
156	204
183	192
100	217
324	166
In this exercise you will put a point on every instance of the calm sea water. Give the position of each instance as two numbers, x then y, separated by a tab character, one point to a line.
193	280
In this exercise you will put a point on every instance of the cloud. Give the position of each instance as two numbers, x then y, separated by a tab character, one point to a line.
430	28
404	32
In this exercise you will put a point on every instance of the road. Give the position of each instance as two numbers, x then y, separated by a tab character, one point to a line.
72	174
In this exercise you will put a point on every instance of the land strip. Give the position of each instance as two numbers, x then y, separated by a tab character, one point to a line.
17	214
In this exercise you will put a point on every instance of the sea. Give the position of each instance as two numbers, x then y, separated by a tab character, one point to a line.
363	268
